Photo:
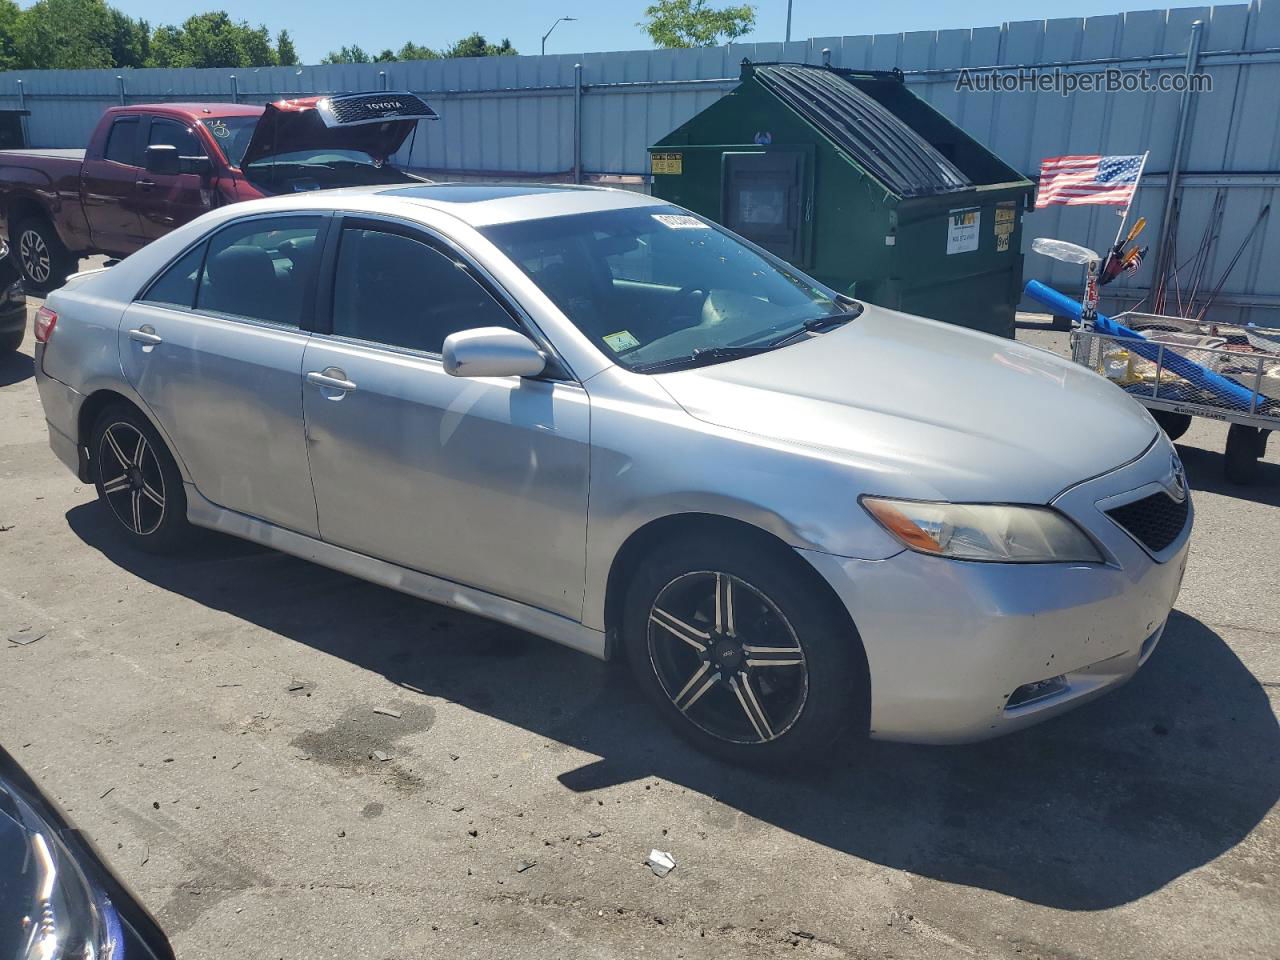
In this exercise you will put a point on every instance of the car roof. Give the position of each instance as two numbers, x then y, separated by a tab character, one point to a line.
476	204
192	111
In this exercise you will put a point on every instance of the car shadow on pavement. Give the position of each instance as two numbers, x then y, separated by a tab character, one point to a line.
14	368
1205	472
1088	811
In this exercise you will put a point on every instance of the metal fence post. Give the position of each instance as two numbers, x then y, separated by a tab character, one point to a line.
22	105
577	123
1179	143
382	79
120	81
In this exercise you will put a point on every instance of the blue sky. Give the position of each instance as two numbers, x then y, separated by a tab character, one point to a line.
321	25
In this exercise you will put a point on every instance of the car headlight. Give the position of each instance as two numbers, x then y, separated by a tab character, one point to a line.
60	913
984	531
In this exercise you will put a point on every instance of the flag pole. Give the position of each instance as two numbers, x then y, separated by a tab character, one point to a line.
1124	215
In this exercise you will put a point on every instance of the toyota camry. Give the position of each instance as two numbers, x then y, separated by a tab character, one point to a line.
607	421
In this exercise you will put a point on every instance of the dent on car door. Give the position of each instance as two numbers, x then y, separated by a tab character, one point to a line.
214	347
481	481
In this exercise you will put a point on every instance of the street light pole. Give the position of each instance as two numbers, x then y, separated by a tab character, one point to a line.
548	33
788	21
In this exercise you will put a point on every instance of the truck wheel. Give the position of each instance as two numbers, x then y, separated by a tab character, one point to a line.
45	262
1245	445
1173	424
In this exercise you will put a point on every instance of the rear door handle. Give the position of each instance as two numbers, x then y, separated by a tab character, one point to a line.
146	335
146	184
331	379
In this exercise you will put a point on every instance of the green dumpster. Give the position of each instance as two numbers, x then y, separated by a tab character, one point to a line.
856	180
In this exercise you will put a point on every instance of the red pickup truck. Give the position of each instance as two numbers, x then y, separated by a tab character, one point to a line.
149	168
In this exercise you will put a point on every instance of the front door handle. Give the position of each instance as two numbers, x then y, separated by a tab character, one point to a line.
331	379
146	334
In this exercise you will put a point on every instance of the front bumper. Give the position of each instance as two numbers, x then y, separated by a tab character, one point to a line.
949	642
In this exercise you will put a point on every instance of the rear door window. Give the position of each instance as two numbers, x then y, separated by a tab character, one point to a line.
262	269
122	141
395	290
177	285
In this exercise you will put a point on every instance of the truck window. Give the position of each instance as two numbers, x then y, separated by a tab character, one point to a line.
122	141
175	134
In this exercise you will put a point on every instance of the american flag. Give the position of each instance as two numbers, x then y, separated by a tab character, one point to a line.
1076	180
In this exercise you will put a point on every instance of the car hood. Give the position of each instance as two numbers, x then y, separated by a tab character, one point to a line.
376	124
929	410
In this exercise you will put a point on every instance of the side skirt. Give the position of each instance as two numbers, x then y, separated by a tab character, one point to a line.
562	630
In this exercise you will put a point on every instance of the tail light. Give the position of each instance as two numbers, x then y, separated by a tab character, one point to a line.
46	320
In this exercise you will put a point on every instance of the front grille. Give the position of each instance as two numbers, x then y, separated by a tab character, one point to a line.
366	107
1154	521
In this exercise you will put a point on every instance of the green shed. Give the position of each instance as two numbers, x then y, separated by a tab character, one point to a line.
856	180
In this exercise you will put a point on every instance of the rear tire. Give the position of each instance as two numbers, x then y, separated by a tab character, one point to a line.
1245	446
138	481
1174	425
45	261
778	680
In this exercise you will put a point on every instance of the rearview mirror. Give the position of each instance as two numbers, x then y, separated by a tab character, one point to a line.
162	158
491	352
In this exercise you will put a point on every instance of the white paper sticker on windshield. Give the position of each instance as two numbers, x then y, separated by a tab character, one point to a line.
680	221
622	340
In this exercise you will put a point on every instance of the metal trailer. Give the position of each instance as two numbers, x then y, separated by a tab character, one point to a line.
1174	399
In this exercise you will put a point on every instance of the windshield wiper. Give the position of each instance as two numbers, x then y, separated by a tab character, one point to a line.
701	357
818	325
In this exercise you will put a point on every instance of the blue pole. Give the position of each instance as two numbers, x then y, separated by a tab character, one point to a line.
1063	306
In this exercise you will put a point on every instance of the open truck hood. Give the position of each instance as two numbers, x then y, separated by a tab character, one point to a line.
376	123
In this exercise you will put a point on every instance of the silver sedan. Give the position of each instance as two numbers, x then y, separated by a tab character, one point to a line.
607	421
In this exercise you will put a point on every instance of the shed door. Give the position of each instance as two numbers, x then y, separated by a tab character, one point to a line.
764	199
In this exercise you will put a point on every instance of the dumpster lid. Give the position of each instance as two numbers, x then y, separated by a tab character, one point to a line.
877	140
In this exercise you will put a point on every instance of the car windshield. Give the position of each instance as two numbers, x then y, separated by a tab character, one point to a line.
655	286
232	135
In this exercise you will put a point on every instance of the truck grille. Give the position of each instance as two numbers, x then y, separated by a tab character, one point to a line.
1154	521
367	107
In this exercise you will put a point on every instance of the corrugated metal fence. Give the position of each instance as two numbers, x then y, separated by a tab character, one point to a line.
539	116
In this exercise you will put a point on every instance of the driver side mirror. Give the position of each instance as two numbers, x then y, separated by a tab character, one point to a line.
162	158
491	352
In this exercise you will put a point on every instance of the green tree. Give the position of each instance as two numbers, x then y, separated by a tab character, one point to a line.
386	56
351	54
411	51
9	16
475	45
130	40
212	39
65	34
691	23
286	54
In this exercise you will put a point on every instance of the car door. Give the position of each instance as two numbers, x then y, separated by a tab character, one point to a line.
480	481
214	347
168	200
109	188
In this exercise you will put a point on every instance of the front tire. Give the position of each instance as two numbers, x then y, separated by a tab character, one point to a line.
45	262
10	342
138	481
742	652
1245	446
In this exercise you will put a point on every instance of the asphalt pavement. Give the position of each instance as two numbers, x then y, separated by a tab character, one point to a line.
283	761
